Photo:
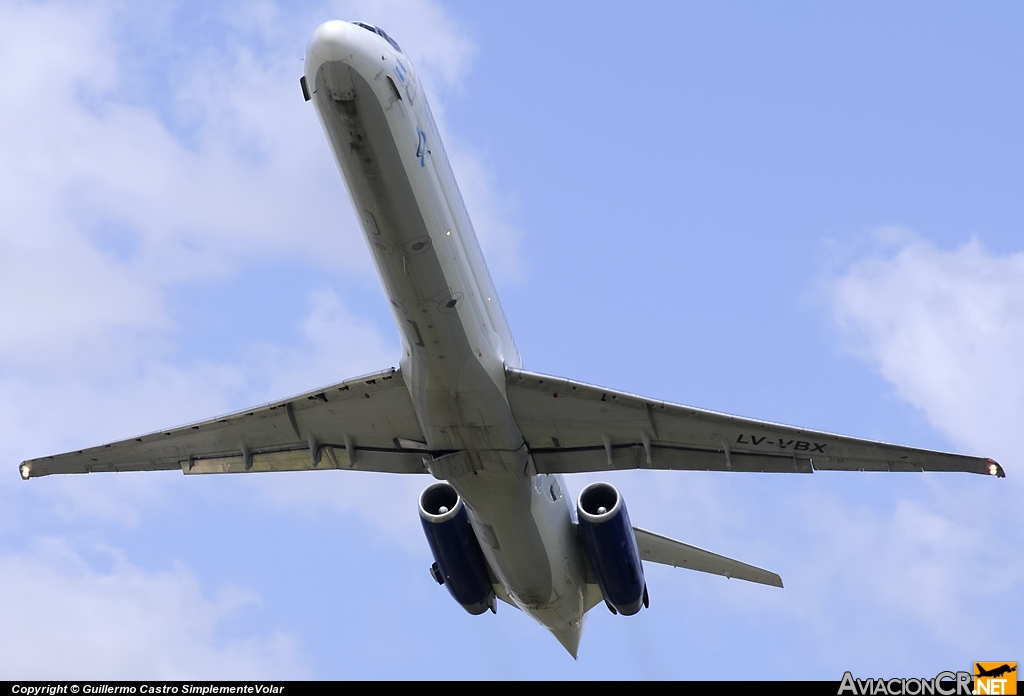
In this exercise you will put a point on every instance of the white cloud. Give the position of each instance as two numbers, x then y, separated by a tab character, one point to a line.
932	560
338	344
116	193
436	44
946	329
65	620
387	501
258	181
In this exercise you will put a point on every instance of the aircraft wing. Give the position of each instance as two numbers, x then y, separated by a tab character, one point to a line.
571	427
365	424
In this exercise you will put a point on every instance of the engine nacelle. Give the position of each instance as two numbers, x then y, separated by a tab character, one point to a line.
460	564
611	547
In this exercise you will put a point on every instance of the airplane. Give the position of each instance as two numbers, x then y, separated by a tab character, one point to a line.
995	671
461	408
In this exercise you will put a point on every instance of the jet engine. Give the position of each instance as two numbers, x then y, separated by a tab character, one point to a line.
459	563
610	544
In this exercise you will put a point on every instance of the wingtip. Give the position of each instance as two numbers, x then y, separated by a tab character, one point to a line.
994	469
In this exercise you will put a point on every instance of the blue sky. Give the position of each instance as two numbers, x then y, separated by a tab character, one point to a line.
804	213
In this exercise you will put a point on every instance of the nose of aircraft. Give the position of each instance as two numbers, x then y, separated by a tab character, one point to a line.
332	41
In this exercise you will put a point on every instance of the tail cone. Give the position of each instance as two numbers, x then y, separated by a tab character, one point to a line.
569	638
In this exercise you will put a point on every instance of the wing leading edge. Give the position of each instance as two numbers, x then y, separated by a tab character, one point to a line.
571	427
364	424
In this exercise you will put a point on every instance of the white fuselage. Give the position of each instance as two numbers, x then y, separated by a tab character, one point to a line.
456	342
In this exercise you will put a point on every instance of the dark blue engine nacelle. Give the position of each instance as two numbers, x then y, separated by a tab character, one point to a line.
611	547
460	564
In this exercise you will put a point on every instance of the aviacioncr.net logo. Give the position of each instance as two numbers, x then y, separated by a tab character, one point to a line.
942	684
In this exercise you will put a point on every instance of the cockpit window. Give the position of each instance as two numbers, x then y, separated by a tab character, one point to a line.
391	41
379	32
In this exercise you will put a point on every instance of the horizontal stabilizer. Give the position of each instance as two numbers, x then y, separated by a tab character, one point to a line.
659	549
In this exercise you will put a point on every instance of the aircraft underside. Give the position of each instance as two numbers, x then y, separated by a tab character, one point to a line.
496	439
